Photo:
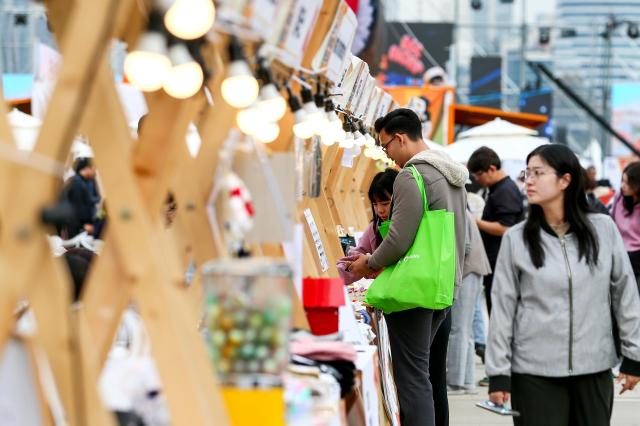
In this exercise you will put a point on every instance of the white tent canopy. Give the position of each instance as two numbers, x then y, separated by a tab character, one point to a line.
509	141
497	127
25	129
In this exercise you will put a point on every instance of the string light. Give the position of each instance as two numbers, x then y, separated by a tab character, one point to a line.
239	88
302	127
147	66
188	19
185	77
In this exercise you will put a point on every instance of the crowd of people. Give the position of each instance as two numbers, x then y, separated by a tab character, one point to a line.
559	271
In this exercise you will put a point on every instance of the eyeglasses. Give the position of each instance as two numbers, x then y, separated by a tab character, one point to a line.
386	145
534	174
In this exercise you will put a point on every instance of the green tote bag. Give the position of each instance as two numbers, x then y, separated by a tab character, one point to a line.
424	277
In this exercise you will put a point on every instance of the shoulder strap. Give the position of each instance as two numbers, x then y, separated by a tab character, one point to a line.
420	182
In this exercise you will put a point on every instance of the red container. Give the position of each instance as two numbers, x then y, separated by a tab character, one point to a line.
321	298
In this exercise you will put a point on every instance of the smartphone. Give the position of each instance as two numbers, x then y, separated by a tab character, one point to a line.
498	409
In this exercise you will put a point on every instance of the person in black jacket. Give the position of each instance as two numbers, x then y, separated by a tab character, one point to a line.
77	192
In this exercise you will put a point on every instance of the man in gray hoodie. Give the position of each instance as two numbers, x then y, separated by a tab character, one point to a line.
412	331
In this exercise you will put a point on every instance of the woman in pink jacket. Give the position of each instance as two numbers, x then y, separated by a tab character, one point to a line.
380	193
626	214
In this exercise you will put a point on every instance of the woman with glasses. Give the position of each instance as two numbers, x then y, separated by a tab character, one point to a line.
561	278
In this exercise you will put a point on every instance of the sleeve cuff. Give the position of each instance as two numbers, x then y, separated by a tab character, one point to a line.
630	366
499	384
372	264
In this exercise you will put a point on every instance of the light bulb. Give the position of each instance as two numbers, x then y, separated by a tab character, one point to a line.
190	19
359	138
185	77
267	132
147	66
250	120
328	138
302	128
340	134
272	104
314	116
348	142
239	88
368	152
370	141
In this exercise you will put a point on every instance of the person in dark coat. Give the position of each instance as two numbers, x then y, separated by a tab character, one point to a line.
78	193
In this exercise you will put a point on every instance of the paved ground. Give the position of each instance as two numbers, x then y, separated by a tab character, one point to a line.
626	409
463	412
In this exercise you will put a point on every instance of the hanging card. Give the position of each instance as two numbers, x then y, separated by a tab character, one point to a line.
294	25
385	105
365	98
347	82
332	57
317	240
372	107
358	88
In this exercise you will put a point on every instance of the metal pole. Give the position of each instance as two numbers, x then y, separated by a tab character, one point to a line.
585	106
456	43
523	44
606	84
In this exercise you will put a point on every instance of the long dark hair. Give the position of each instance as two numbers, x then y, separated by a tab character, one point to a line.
576	208
381	190
633	180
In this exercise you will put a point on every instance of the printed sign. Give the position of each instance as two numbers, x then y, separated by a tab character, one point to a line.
315	234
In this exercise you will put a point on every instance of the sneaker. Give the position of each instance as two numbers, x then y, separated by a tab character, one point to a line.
471	390
484	382
455	390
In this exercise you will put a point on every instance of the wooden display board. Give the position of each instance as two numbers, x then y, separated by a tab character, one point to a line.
142	262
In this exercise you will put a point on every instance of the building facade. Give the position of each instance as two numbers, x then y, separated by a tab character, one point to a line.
591	63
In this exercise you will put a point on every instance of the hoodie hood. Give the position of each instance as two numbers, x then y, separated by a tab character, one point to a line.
455	173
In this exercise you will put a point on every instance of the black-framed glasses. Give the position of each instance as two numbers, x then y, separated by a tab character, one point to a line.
386	145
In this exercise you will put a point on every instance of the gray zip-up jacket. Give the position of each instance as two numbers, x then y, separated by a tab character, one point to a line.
444	181
555	321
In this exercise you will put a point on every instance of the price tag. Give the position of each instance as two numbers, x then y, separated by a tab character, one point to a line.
296	23
333	55
315	234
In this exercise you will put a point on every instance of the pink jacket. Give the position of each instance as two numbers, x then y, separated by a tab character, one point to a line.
367	244
629	226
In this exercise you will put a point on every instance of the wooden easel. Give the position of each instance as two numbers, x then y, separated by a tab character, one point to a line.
138	261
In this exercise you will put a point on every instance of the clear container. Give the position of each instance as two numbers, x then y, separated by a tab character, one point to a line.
247	319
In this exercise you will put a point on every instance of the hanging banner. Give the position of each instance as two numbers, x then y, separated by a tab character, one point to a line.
412	48
486	81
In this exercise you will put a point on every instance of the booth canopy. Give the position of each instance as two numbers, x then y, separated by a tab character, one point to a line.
509	141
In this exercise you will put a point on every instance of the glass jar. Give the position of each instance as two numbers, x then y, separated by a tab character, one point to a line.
247	319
